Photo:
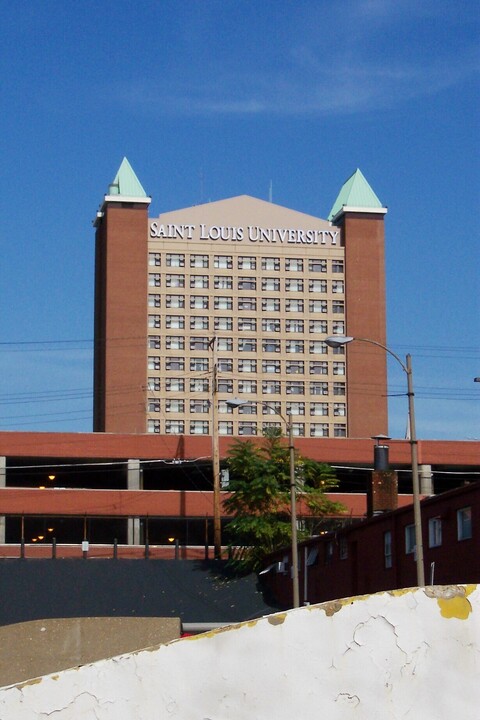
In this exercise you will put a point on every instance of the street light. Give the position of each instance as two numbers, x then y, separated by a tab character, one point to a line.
339	341
235	403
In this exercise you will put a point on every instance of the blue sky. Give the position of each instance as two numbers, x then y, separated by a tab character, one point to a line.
214	99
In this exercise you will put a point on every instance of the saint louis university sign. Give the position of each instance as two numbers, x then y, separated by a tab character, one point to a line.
250	233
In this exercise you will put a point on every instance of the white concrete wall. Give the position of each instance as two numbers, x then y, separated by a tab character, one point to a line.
407	654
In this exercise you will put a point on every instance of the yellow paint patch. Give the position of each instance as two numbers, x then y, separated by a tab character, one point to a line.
277	619
458	607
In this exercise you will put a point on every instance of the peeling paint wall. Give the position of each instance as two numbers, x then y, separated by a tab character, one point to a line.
400	654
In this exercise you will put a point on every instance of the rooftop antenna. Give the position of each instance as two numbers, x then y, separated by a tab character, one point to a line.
270	192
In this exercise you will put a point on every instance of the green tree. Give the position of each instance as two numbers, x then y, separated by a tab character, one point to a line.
260	499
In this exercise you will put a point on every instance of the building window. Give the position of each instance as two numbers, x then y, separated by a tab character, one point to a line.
174	427
223	262
294	346
154	384
247	283
339	409
319	408
153	426
153	405
247	366
318	367
318	388
295	367
199	427
225	427
338	286
338	327
270	325
295	408
224	408
175	260
174	406
225	344
175	342
154	279
199	322
338	306
153	363
294	285
271	426
250	409
272	408
387	549
199	302
198	261
295	387
174	363
154	301
298	429
247	345
271	345
174	384
318	347
294	305
434	532
319	286
317	265
318	306
247	428
339	388
154	259
293	265
198	385
223	302
224	385
175	281
175	301
198	364
225	365
223	282
154	321
199	406
199	343
294	326
175	321
247	386
247	324
319	429
339	430
199	281
246	262
247	304
337	266
271	387
317	326
339	368
154	342
410	543
270	284
270	366
270	304
270	263
223	323
464	523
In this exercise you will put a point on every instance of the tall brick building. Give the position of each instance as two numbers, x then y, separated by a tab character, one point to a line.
234	299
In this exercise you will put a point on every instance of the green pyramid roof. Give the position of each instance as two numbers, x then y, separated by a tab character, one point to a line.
356	193
126	182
